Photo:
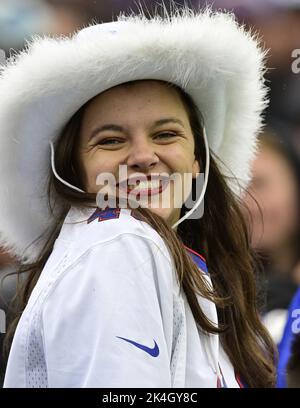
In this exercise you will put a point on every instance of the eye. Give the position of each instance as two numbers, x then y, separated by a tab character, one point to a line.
165	135
109	141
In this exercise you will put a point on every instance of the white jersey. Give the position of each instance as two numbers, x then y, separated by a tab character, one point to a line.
107	311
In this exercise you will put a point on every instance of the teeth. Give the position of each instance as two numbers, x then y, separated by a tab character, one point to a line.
143	185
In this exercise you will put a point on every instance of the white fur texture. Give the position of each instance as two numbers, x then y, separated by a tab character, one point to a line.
207	54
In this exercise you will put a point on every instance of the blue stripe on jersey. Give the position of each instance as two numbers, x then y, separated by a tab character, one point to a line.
200	262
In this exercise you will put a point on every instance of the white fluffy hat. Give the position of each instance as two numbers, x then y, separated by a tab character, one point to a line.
207	54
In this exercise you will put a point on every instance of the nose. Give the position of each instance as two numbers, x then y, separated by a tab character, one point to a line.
142	155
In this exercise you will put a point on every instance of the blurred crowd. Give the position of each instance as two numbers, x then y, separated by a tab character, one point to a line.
272	205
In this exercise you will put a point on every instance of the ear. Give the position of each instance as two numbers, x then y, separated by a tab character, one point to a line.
195	168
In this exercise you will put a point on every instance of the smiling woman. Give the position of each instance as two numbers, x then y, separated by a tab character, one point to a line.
135	93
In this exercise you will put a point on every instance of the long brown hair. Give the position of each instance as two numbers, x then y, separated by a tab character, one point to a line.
220	235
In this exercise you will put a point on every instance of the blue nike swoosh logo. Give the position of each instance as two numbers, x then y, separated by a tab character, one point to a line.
154	352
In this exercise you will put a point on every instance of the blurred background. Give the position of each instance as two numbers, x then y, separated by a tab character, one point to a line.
273	197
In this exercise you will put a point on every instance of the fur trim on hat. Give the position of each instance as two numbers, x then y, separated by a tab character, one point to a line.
207	54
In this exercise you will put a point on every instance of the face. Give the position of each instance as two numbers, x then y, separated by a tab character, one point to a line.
274	187
145	127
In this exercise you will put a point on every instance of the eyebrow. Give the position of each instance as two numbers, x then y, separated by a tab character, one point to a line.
117	128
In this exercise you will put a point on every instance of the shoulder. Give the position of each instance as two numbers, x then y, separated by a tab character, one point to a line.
111	246
119	254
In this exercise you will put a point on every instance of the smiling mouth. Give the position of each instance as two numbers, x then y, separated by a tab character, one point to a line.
148	186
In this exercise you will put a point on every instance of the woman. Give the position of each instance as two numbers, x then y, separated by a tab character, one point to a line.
120	297
275	186
275	229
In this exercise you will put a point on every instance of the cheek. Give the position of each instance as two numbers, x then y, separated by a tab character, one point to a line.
286	208
282	198
180	158
281	214
96	165
90	170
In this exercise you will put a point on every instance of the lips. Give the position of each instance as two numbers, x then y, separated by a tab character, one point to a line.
144	185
